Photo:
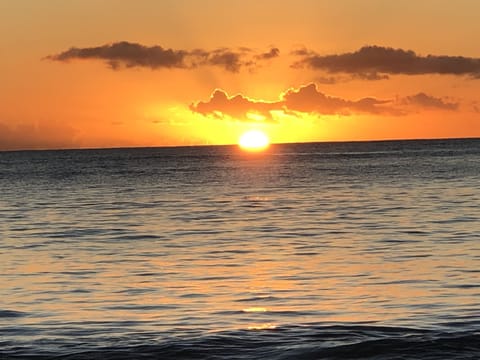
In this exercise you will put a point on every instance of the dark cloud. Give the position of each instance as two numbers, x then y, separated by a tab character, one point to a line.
370	76
309	99
228	59
126	54
376	62
235	106
306	99
327	80
273	53
427	101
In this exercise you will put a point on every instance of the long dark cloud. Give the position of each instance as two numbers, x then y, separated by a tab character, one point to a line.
377	62
127	54
306	99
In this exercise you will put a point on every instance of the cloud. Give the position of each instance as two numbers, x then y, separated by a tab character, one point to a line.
328	80
128	55
309	99
226	58
427	101
273	53
376	62
305	99
237	106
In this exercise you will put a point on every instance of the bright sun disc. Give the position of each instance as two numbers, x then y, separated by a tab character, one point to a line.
254	140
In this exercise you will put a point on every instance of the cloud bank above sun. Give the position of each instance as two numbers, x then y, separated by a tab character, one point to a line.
308	99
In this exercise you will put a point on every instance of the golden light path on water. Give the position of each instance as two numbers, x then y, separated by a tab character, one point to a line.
213	239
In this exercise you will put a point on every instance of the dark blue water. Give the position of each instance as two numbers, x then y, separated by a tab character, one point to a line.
305	251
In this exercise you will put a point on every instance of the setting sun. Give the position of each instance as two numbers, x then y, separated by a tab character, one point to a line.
254	140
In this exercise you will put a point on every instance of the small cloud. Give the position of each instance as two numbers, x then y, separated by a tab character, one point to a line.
328	80
226	58
302	51
370	76
273	53
427	101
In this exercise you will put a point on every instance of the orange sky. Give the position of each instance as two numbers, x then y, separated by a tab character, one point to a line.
76	74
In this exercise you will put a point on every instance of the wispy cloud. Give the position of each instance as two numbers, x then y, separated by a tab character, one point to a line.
128	55
376	62
273	53
42	135
427	101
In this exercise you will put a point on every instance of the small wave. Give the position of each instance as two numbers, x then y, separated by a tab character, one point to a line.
141	307
259	298
11	314
282	343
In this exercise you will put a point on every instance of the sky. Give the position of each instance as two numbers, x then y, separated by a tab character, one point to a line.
117	73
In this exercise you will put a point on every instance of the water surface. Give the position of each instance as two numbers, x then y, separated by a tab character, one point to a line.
304	251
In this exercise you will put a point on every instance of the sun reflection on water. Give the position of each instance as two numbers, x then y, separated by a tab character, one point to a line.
254	309
266	326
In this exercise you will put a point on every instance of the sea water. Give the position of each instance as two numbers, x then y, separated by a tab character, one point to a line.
304	251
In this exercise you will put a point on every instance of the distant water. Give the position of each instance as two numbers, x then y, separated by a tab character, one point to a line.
307	251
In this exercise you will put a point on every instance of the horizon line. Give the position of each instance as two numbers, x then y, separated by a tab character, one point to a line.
227	145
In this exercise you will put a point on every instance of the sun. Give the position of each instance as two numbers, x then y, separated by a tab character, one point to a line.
254	140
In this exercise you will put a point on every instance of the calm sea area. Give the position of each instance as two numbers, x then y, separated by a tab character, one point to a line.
367	250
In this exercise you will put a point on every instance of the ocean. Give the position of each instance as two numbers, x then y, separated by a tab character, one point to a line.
362	250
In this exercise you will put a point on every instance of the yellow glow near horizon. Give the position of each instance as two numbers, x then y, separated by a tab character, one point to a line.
254	140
